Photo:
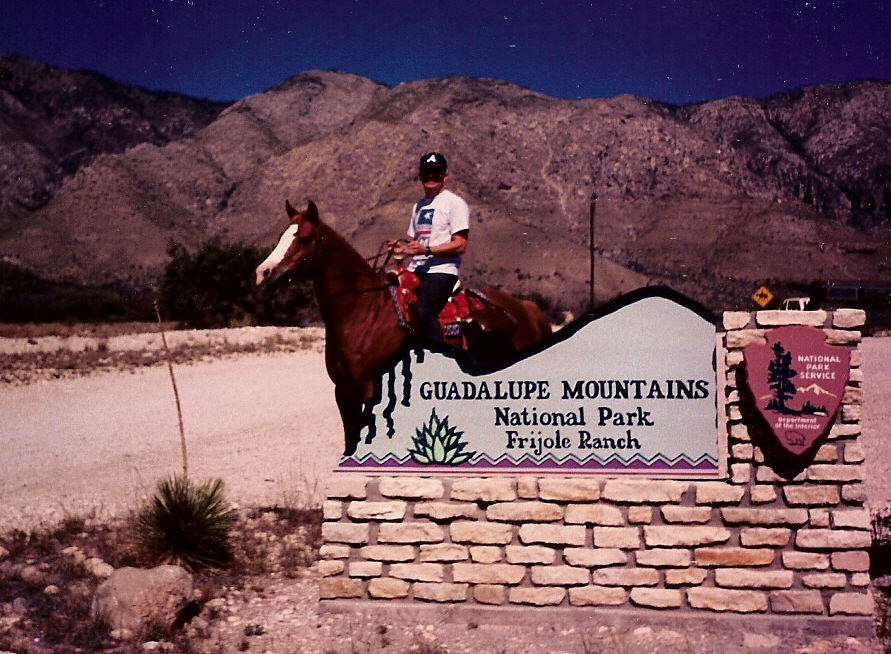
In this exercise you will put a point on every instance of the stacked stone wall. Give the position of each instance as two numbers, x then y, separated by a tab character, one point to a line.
775	536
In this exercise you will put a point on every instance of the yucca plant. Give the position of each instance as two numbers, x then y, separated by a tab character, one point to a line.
438	443
187	525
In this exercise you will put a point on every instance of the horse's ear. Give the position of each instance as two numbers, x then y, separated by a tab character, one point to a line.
312	213
290	209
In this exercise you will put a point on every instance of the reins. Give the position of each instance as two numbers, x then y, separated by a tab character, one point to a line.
380	251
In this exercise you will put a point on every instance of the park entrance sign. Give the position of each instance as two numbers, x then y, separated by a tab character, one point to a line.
628	390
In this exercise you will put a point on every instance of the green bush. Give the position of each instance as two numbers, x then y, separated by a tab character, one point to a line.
214	287
187	525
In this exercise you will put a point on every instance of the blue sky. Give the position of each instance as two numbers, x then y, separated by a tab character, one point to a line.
671	51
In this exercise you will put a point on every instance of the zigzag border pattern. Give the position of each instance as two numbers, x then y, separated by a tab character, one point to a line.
505	463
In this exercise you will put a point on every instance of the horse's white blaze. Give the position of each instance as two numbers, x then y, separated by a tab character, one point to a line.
275	257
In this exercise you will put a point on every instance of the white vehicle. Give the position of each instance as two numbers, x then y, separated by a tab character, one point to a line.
794	304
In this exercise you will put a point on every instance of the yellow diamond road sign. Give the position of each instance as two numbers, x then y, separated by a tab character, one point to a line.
762	296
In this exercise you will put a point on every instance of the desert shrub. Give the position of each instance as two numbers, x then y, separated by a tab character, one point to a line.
214	287
186	525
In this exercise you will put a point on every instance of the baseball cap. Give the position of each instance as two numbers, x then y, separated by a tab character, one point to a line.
433	159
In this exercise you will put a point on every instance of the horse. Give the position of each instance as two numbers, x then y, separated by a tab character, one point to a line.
362	329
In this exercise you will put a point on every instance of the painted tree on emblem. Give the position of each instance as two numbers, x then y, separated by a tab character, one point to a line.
779	379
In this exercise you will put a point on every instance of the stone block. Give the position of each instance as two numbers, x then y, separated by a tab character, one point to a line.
764	536
842	337
524	512
684	536
365	569
331	551
854	453
388	588
685	577
735	320
540	534
825	580
852	395
741	451
486	490
388	553
445	511
376	510
527	487
586	557
738	432
827	453
493	573
856	561
686	514
332	510
639	491
746	578
440	592
762	494
717	492
854	493
860	579
340	588
559	575
664	558
410	532
851	604
805	561
851	413
822	495
778	318
745	516
828	539
445	552
740	473
597	596
627	538
481	533
839	431
347	487
433	572
656	598
640	515
486	554
489	594
848	318
796	601
583	489
593	514
710	557
765	474
331	567
852	519
625	577
537	596
734	358
520	554
737	340
723	599
818	518
411	488
842	473
345	532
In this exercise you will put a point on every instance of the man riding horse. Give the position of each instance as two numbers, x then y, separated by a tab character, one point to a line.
438	232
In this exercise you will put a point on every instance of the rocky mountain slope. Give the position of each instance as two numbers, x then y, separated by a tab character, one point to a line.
713	199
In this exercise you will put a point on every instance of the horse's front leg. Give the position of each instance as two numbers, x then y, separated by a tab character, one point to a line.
349	403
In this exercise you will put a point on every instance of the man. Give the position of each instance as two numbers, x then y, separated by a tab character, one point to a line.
438	232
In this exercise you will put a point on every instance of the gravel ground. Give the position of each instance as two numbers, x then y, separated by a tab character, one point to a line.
267	425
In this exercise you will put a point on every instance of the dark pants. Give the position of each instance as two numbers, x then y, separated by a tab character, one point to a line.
432	297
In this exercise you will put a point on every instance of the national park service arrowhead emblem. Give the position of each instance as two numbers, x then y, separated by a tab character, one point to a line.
798	382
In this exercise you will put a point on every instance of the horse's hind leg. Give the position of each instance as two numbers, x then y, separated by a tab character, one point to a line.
349	403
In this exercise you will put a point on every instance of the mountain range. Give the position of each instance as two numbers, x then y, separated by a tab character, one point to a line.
714	199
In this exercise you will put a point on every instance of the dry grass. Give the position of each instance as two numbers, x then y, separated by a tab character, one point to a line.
95	330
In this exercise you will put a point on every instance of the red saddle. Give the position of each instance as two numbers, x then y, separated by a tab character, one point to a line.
454	315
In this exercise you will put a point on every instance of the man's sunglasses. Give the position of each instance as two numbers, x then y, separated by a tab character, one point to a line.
434	175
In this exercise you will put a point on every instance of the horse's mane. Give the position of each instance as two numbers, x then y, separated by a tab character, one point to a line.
354	258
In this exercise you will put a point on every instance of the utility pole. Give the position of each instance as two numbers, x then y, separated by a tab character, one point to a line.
591	242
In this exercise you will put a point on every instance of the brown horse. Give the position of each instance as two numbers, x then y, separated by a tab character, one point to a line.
362	331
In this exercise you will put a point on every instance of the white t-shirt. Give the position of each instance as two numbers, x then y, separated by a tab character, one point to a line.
433	221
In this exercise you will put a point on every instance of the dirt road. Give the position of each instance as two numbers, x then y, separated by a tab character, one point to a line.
266	424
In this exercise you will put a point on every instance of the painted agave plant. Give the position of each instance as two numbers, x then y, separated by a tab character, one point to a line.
437	443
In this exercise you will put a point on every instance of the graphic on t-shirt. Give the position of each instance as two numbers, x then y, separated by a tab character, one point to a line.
425	217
